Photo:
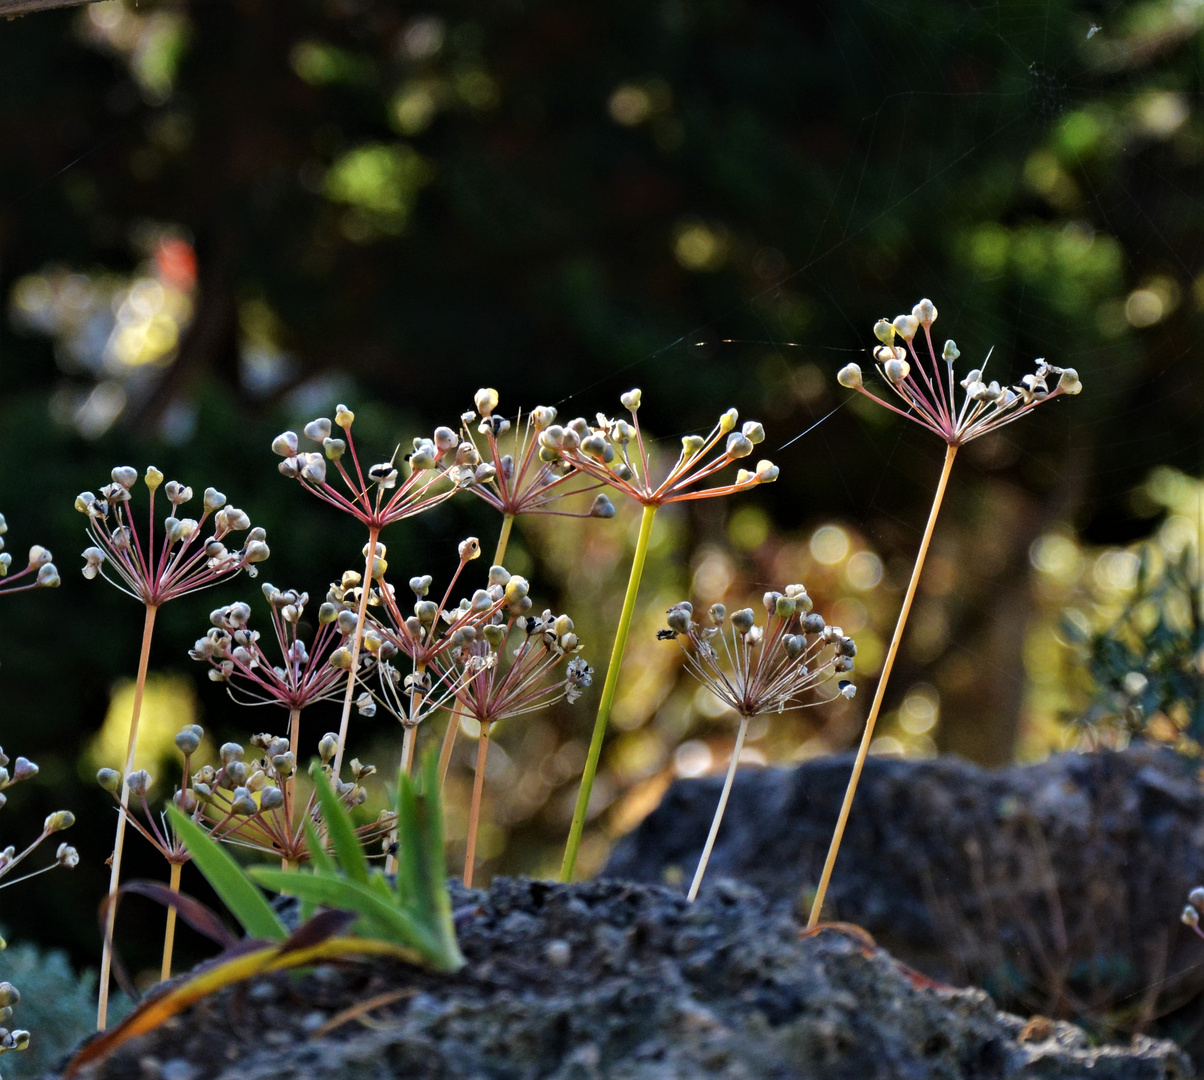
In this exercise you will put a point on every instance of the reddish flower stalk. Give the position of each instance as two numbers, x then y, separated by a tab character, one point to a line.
932	403
180	561
493	687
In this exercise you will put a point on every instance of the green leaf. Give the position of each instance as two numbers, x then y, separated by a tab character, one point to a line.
421	875
229	880
343	893
341	830
319	857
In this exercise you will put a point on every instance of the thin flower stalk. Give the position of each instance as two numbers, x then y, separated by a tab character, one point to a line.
158	833
931	402
376	497
613	452
39	572
495	685
155	569
761	669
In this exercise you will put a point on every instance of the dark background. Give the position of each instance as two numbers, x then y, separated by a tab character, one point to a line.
393	204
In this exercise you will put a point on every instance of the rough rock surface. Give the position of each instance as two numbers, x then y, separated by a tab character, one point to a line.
1056	886
610	979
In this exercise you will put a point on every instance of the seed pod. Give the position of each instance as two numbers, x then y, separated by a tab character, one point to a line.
849	377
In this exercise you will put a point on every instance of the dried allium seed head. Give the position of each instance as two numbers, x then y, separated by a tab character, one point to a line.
327	746
470	549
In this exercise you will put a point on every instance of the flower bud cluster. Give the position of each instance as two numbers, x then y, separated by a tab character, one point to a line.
494	682
930	398
10	1038
302	675
244	798
612	451
66	856
377	495
763	667
39	571
1195	905
180	560
523	481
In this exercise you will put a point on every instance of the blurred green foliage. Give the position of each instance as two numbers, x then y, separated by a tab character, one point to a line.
217	219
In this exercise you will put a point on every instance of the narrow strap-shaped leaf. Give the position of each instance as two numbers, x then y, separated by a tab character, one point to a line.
237	891
203	919
341	830
323	926
420	869
381	917
319	857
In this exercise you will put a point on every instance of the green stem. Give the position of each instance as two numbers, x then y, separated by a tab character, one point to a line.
504	539
608	695
169	936
106	956
880	692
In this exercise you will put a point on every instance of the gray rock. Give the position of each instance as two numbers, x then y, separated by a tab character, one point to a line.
657	989
1056	886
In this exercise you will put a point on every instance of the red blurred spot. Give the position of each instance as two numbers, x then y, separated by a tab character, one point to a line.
175	264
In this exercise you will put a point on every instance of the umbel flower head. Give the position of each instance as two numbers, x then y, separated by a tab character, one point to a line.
438	468
524	482
304	674
495	683
39	572
246	801
926	384
613	452
763	668
180	559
